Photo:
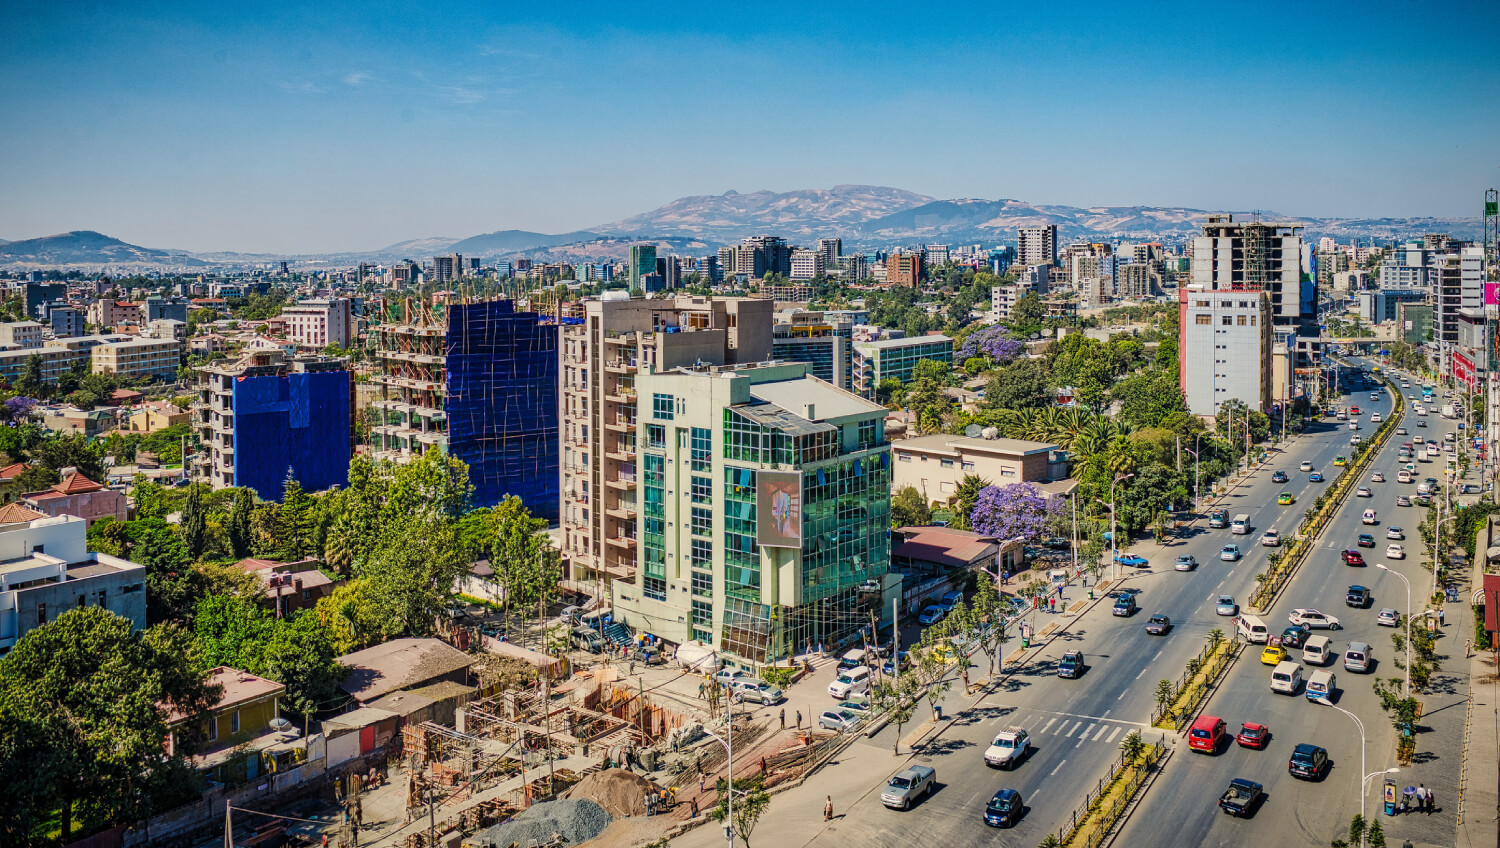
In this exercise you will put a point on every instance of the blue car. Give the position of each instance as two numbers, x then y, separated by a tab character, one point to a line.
1315	477
1004	809
1131	559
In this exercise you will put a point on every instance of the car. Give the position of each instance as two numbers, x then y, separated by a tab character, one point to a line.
1395	551
1422	500
1253	735
1340	461
1353	410
1421	423
1272	655
950	600
1270	539
1403	476
932	615
1394	532
902	658
1357	597
1308	762
858	704
1226	605
726	677
1374	418
1313	620
1135	560
1125	605
1305	466
908	786
1387	617
1008	748
1294	636
838	720
1377	477
1363	492
1315	477
1004	809
1365	540
1278	477
1158	625
1071	665
1242	797
758	691
1285	499
1186	562
1230	553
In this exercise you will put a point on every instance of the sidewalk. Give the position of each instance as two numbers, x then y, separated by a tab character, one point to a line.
1479	798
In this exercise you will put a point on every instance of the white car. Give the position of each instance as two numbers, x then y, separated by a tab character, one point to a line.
1270	539
1313	620
1403	476
1387	617
932	615
1394	532
1377	477
1305	466
1363	492
1008	748
1374	418
1355	441
1395	551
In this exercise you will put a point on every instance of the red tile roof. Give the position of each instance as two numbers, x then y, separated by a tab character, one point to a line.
76	484
9	472
1491	601
15	513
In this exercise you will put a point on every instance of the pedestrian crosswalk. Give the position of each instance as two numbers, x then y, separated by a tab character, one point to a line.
1079	729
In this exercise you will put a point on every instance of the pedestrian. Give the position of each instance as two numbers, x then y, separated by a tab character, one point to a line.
763	765
799	719
1052	605
828	809
700	780
1421	797
966	681
1431	802
1440	616
1468	649
694	807
1085	581
809	647
700	691
821	652
783	718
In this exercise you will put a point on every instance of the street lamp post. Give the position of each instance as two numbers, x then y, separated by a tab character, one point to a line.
1361	725
1197	482
1363	791
1382	567
729	794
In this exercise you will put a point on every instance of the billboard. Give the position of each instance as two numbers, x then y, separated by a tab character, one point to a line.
778	509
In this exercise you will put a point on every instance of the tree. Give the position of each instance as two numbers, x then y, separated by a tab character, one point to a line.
296	520
97	694
750	803
964	499
76	451
239	529
34	479
1016	511
897	698
297	651
522	557
1028	311
909	508
1022	384
30	382
989	614
194	521
350	618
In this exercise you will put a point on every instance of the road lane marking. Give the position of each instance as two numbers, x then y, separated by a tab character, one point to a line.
1055	770
1049	725
1100	734
1113	734
1122	693
1076	725
1106	714
1142	671
1084	736
1158	655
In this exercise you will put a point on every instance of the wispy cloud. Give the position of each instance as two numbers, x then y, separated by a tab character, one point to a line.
461	94
356	78
304	87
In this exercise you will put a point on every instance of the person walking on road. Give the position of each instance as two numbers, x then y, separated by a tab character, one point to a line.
783	718
799	719
828	809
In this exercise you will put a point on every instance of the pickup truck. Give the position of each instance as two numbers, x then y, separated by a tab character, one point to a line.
907	787
1241	797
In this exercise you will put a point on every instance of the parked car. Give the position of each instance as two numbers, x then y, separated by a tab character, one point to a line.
1308	762
908	786
838	720
727	676
932	615
1313	619
1158	625
1186	562
758	691
1387	617
1134	560
1008	748
1004	809
1071	665
890	664
1242	797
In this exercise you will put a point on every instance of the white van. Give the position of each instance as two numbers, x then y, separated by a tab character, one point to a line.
852	659
1320	684
853	681
1368	517
1286	677
1241	525
1357	657
1315	651
1252	629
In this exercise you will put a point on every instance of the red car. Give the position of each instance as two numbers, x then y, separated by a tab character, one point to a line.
1353	557
1353	410
1253	735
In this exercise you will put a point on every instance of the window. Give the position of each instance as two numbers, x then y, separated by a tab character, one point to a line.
1204	318
903	457
1227	320
1007	472
703	613
41	614
703	522
702	448
656	588
656	436
213	728
703	490
663	406
234	722
703	583
1242	321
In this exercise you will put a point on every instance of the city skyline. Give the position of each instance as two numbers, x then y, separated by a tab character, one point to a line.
298	131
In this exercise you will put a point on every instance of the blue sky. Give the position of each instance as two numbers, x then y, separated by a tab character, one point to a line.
321	127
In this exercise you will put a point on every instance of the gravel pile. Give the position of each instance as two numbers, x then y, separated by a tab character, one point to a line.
577	820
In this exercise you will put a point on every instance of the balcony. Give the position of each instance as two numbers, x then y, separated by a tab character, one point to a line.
620	424
621	568
626	542
622	395
624	512
619	455
620	366
626	482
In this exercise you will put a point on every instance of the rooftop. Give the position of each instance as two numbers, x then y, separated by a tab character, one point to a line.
942	545
400	664
953	445
827	401
909	341
240	687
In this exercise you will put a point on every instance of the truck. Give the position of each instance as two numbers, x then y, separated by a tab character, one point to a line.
1241	797
1449	411
907	786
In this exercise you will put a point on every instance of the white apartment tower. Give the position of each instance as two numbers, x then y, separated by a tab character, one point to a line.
1037	245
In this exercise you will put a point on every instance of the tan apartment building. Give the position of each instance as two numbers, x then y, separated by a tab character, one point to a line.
934	465
619	339
139	358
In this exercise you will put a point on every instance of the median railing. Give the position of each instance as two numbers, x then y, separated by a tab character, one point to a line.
1103	805
1183	697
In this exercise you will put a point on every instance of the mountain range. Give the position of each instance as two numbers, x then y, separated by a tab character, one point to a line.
865	217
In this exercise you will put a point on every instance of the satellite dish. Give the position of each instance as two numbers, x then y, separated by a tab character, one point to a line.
278	723
1036	335
973	431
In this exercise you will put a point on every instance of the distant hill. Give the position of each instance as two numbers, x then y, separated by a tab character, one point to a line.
511	241
796	215
86	247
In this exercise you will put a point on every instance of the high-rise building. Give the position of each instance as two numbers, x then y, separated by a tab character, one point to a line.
478	381
832	250
267	416
1133	280
1037	245
602	357
765	512
756	257
935	255
320	322
1377	307
904	269
1225	348
807	264
887	359
447	268
642	262
856	267
822	342
1254	256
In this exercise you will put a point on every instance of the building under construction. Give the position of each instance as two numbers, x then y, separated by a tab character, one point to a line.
479	381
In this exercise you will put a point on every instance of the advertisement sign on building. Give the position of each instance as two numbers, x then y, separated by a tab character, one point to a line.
778	509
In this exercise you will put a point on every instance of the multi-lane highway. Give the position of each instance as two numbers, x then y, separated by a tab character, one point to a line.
1077	725
1295	811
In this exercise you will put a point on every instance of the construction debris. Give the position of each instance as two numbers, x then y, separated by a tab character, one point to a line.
620	792
574	820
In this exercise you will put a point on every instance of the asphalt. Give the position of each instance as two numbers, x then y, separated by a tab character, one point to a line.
1183	801
1076	725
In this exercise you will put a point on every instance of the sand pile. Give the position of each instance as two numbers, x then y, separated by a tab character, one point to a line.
620	792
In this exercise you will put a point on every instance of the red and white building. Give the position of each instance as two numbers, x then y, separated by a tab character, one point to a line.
320	322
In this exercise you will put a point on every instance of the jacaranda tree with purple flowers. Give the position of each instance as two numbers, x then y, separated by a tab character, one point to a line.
992	342
1019	510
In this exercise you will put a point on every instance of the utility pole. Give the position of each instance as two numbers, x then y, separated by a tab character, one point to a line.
895	639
